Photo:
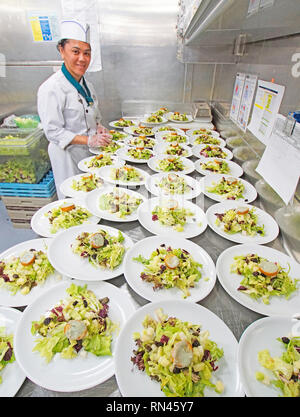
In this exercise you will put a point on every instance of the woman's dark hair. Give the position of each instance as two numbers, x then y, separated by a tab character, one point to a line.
61	43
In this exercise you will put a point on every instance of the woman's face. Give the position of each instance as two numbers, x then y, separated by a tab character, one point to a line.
77	57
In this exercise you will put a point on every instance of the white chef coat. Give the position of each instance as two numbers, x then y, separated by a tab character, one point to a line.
64	113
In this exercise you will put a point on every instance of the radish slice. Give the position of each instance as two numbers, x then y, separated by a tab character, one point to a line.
242	210
75	330
66	206
172	261
27	258
182	354
268	268
96	240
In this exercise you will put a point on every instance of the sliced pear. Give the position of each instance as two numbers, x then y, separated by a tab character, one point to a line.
182	354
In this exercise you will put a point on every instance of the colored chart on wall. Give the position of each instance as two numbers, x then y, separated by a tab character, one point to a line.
237	95
266	106
44	26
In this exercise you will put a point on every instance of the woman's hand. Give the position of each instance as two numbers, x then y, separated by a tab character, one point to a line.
101	129
97	140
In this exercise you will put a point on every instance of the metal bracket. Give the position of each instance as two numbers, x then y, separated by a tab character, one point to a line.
240	45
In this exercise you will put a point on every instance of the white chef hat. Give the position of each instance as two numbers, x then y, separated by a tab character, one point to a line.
74	29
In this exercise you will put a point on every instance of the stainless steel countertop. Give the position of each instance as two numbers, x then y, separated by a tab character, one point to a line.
236	316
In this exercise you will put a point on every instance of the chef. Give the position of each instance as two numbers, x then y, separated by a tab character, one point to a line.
68	106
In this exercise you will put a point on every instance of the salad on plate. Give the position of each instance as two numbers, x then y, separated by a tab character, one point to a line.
206	139
139	152
77	325
170	214
126	173
116	135
143	130
25	271
178	117
174	149
161	111
6	350
101	249
229	188
217	166
170	164
262	279
124	123
99	161
170	268
142	141
211	151
240	220
66	215
282	372
179	355
174	137
154	118
110	148
173	184
87	183
119	202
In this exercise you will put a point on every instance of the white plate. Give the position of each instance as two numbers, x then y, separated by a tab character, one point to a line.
73	265
189	116
198	148
135	383
122	154
130	131
67	375
193	227
261	335
12	375
271	227
249	193
92	202
278	306
150	124
104	173
159	136
20	300
179	131
113	123
68	191
234	169
188	165
156	190
161	149
41	225
210	132
83	164
222	141
133	269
